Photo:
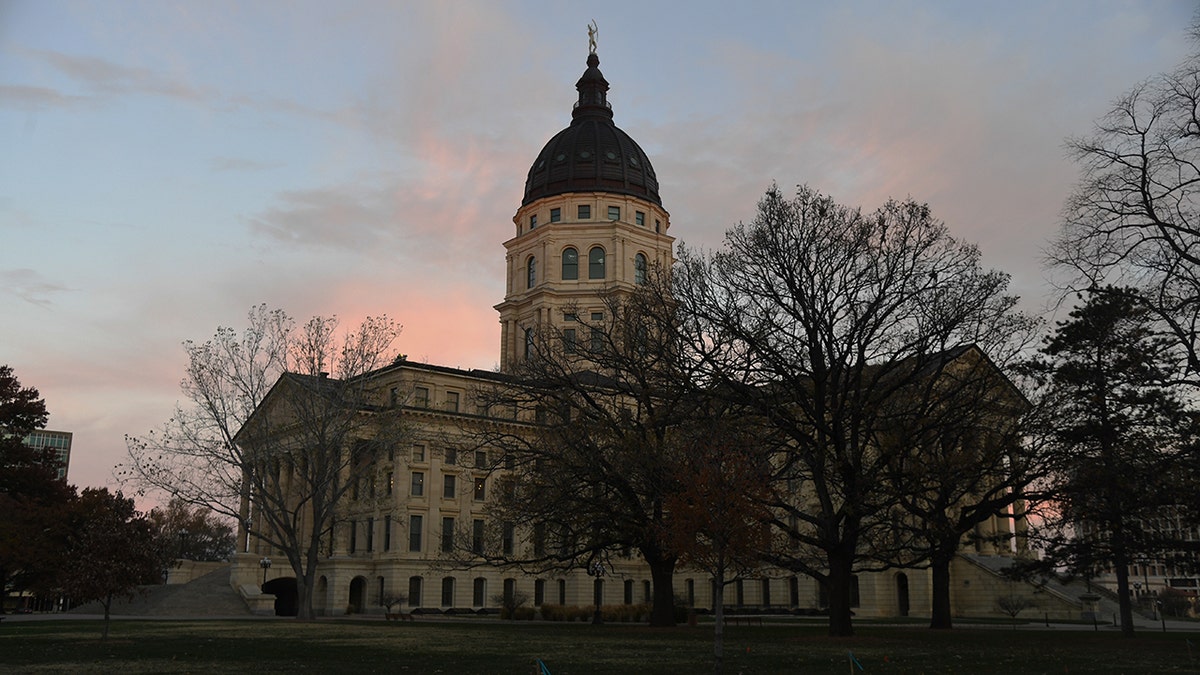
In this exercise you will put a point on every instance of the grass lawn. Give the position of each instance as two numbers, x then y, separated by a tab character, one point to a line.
465	647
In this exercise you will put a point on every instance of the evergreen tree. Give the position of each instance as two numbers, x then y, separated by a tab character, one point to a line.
1122	435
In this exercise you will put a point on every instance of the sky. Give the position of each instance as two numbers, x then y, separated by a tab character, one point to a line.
165	166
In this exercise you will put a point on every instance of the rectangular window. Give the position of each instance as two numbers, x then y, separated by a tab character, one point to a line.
539	539
447	534
448	486
480	488
481	461
614	213
353	536
555	215
448	592
391	482
370	534
509	536
569	340
597	340
421	397
418	484
393	396
657	225
585	211
766	592
451	456
452	401
629	591
532	221
639	218
418	453
597	316
477	591
562	591
387	533
414	533
477	536
539	592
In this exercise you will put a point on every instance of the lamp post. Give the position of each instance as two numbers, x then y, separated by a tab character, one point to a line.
265	563
596	569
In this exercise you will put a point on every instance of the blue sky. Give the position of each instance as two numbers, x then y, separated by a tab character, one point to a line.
166	165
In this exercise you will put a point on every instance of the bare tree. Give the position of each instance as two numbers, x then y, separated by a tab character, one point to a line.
1134	219
967	467
1013	604
592	454
824	320
269	437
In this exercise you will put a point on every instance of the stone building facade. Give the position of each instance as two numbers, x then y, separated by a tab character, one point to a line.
591	220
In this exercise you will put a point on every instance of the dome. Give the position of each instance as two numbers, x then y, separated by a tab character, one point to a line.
592	154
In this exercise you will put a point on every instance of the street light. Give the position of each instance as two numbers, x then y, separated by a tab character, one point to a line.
265	563
596	569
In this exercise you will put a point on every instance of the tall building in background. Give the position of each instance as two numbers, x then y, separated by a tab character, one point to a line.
60	441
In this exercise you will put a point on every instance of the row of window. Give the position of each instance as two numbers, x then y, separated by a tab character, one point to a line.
416	535
596	266
479	591
449	486
584	212
629	586
420	399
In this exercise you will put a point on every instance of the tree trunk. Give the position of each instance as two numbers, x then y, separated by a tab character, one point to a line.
838	582
107	607
306	578
940	610
719	621
662	575
4	589
1121	567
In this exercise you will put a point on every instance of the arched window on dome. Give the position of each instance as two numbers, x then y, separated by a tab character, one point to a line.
596	263
570	264
531	269
639	269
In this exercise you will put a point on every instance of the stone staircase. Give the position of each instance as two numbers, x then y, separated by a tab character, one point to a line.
1108	608
208	596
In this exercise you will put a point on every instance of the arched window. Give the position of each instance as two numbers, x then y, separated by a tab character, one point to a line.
639	269
570	264
478	588
596	263
531	268
414	591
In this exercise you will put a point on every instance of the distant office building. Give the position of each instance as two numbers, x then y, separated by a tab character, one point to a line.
60	441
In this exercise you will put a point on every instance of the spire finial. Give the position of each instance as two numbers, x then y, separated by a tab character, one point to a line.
593	31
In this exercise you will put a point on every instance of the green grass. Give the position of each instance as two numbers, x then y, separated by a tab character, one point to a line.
465	647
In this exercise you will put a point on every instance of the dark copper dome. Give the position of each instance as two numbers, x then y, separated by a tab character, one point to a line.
591	155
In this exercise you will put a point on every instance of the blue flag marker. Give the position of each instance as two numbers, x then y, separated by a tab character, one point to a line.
854	662
542	665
